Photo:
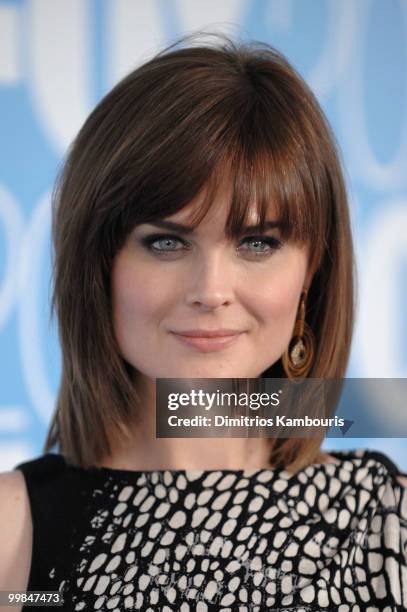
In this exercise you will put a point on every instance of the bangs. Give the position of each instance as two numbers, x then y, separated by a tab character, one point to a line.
269	180
266	186
249	132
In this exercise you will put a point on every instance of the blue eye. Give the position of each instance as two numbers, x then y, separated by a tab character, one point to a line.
148	242
268	244
271	244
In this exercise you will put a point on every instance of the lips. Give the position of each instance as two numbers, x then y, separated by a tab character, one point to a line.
207	333
207	344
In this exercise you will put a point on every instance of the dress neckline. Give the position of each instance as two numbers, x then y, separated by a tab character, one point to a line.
342	455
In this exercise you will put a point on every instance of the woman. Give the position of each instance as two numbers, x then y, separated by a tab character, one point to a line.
203	196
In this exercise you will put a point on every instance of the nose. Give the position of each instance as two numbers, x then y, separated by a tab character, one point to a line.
211	283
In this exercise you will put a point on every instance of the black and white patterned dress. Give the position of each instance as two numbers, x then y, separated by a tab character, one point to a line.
331	537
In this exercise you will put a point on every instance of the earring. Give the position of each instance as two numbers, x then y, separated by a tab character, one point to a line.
297	359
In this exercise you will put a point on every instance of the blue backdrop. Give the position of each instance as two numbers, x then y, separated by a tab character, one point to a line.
59	57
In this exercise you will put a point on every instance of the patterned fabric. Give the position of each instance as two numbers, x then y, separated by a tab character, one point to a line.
331	537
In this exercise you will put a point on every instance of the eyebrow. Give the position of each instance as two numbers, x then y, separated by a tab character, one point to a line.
185	229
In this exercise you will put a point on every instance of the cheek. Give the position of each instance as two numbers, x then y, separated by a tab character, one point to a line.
138	295
132	295
277	301
281	303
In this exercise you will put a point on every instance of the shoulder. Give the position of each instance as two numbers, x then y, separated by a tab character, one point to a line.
365	455
402	480
397	475
15	532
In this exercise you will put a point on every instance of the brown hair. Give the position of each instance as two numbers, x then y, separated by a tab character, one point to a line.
170	130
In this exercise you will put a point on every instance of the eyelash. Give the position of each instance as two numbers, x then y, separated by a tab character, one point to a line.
148	241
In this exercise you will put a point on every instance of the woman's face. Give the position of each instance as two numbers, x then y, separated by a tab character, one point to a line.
200	281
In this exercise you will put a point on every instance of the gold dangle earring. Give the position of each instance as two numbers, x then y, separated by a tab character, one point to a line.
297	359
